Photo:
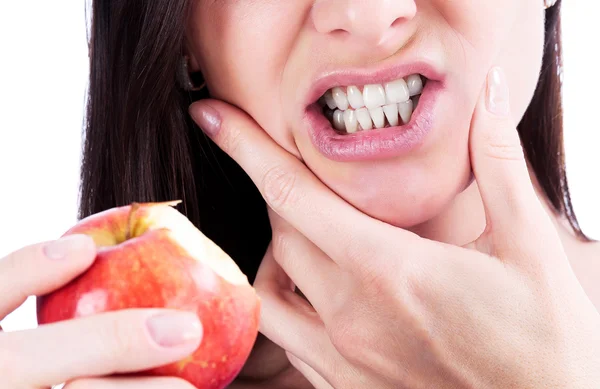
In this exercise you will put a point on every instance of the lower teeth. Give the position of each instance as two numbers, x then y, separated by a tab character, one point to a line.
363	119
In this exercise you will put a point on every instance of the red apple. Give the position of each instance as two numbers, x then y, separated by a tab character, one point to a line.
151	256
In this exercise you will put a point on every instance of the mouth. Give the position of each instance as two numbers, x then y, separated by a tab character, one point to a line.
373	114
364	108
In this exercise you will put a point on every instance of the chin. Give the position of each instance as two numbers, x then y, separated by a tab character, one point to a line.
408	198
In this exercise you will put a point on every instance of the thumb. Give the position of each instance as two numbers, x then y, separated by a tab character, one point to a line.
510	202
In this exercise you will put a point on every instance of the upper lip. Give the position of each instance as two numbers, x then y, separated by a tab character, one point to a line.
370	75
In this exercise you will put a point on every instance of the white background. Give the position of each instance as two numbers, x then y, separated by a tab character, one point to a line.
43	71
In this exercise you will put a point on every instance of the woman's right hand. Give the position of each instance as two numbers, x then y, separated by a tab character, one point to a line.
86	352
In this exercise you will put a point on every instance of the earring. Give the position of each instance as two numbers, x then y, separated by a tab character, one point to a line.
184	78
549	3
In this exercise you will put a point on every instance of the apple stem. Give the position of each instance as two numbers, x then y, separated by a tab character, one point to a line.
130	227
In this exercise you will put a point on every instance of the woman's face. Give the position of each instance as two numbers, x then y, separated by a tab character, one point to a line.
275	58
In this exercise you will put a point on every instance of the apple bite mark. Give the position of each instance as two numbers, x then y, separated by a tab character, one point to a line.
198	246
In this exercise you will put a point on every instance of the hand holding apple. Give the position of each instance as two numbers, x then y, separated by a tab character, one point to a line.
89	351
151	256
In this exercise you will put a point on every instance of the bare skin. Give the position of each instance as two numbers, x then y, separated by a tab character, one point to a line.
361	323
269	367
296	41
304	38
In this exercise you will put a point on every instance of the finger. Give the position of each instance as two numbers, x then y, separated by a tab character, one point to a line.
289	188
288	320
308	372
42	268
499	164
109	343
315	274
130	383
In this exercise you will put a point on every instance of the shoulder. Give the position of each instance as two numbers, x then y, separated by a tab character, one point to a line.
594	248
584	258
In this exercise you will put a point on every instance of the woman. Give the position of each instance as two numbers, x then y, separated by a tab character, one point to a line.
428	248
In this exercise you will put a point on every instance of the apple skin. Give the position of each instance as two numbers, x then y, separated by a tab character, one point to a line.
141	263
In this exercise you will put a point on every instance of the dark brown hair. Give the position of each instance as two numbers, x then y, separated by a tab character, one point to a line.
140	144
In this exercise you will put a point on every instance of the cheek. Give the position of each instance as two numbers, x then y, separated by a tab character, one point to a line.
510	36
522	58
240	71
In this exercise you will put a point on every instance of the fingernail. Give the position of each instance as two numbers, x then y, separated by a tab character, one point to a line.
61	248
206	117
498	99
175	329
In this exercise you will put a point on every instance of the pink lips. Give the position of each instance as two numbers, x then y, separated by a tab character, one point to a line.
377	143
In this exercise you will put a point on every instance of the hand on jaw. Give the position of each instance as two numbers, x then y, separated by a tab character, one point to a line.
386	308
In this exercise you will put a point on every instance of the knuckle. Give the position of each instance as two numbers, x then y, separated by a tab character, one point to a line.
347	339
339	334
231	140
503	146
364	255
280	246
354	252
420	282
116	338
14	262
505	152
279	187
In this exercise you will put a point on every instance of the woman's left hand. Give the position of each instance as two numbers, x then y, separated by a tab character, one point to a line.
389	309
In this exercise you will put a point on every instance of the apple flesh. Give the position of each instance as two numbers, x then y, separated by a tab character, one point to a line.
152	256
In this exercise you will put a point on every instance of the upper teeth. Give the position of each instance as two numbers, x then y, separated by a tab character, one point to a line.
377	102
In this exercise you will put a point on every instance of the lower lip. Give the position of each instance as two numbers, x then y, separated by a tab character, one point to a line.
377	143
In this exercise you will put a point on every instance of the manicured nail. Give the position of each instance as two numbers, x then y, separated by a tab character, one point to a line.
498	99
61	248
206	117
175	329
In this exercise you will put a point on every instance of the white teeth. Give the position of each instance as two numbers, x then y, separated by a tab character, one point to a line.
355	97
405	109
415	84
377	106
340	99
364	118
329	100
378	117
396	92
338	120
374	96
350	121
391	113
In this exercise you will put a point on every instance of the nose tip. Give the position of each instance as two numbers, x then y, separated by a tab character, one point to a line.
373	21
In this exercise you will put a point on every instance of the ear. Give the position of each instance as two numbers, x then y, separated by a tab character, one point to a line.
190	52
193	63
